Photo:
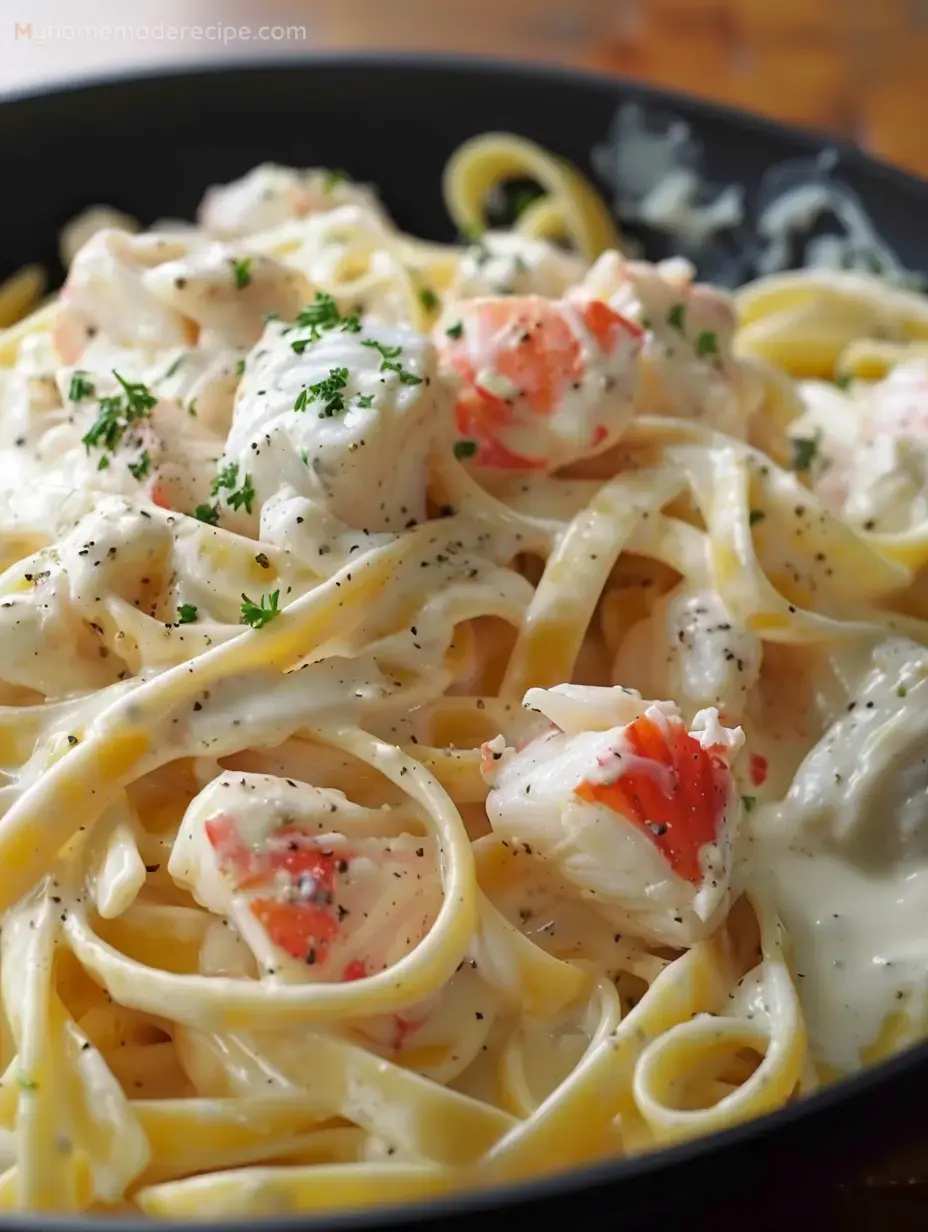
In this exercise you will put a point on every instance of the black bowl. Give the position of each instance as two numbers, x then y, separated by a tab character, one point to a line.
150	145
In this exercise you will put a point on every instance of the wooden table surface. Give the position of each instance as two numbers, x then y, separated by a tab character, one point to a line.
851	67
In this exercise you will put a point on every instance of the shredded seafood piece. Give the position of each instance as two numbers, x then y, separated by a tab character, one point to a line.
641	815
542	383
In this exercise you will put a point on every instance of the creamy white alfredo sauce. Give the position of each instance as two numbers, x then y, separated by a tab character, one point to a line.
845	858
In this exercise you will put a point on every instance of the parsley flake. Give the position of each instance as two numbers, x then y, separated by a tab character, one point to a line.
259	614
365	401
465	449
407	378
117	412
322	314
207	513
844	381
80	387
241	272
676	317
239	367
901	691
243	497
192	409
805	450
328	391
141	467
26	1082
755	516
707	343
456	330
428	299
103	464
187	614
748	802
238	495
387	352
226	478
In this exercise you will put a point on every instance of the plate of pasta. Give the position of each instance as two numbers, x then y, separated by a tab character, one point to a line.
463	648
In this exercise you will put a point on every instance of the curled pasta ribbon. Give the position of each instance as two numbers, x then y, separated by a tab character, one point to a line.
20	294
79	787
604	1009
870	359
569	1126
575	576
227	1003
190	1136
439	1126
722	489
804	320
572	209
701	1045
77	1137
11	337
264	1192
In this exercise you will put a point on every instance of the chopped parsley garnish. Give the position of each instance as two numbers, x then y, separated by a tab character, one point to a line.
465	449
456	330
676	317
260	614
844	381
187	614
328	391
117	412
707	343
805	451
227	478
207	513
333	178
26	1082
241	272
387	352
304	456
428	299
243	496
238	496
748	802
103	464
390	354
901	691
322	314
239	367
192	409
273	315
755	516
365	401
407	378
140	468
80	387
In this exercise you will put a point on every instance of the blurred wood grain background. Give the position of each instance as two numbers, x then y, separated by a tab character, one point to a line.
850	67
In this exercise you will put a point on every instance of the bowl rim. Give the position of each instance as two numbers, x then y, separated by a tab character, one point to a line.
889	1075
464	64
